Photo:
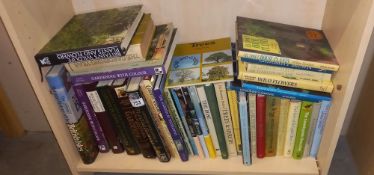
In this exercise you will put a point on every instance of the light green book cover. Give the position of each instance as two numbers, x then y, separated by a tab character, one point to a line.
302	129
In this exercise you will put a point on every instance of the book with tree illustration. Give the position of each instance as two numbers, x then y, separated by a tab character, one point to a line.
201	63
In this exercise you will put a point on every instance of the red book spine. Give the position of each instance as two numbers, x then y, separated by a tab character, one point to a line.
260	124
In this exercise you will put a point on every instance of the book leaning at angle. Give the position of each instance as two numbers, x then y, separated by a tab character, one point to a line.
276	44
75	118
93	35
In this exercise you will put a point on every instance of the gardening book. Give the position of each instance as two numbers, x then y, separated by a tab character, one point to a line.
276	44
201	63
93	35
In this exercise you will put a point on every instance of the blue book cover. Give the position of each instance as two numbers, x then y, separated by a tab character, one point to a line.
178	141
322	116
183	118
244	127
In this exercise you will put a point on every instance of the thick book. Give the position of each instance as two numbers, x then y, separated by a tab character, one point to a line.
130	116
312	127
271	125
244	128
282	125
302	129
126	70
216	117
146	89
320	126
75	118
138	101
293	118
234	110
105	121
93	35
252	123
260	125
276	44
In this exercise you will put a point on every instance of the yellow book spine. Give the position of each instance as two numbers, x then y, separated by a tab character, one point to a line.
282	125
233	103
210	147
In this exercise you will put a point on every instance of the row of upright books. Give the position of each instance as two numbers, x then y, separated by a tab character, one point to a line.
138	91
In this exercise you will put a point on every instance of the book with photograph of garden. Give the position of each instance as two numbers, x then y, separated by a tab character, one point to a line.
200	63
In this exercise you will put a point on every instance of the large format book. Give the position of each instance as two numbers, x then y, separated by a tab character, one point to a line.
75	118
318	131
131	117
276	44
271	125
302	129
94	35
120	68
260	125
244	128
146	120
293	118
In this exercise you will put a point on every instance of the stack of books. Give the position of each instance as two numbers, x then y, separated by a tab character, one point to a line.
124	85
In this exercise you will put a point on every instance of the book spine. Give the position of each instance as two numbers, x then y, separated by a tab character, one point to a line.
146	89
282	125
120	126
233	103
287	72
286	62
302	129
189	131
208	118
93	121
130	116
323	86
271	125
260	125
266	90
176	120
75	120
105	121
85	54
321	121
252	122
223	106
116	74
207	137
216	117
149	127
177	138
246	147
310	133
293	117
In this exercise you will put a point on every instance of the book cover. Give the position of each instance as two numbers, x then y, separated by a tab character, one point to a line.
200	116
138	101
320	126
243	111
130	116
293	118
113	111
152	67
200	63
282	125
252	123
271	125
216	117
265	42
106	122
93	35
223	106
302	129
75	118
260	125
312	127
234	110
209	118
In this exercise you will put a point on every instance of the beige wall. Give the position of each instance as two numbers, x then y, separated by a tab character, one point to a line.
17	87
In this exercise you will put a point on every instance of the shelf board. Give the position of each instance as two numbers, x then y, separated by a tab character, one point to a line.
118	163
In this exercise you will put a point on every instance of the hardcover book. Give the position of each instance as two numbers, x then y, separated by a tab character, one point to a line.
320	126
94	35
312	127
260	125
302	129
271	125
234	110
282	125
293	118
252	123
244	128
271	43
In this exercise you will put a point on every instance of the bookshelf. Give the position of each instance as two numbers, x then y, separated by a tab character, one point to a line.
348	25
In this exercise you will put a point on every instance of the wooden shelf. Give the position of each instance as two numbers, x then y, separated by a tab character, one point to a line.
109	162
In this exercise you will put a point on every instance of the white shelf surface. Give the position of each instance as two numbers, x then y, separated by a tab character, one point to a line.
117	163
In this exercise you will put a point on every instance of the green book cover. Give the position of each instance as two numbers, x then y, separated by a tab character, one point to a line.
271	125
302	129
213	105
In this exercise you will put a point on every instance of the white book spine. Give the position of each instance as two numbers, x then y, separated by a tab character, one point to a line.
293	117
282	125
252	123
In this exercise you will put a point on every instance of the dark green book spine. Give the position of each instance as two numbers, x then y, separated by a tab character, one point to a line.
302	129
213	105
107	96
